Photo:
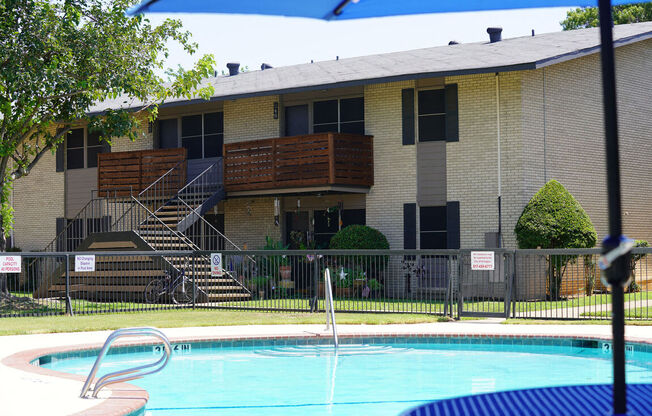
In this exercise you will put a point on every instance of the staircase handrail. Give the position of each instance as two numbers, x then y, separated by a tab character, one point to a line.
162	177
47	248
196	178
181	237
212	227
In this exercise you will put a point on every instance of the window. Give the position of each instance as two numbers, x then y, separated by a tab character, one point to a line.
339	116
327	223
202	134
432	115
82	148
433	227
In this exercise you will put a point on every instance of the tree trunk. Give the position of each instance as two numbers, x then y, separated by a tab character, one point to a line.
4	289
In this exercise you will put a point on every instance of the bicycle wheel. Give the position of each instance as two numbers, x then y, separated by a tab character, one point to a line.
183	293
153	291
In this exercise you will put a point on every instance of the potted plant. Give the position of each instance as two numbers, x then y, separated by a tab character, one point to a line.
343	281
278	265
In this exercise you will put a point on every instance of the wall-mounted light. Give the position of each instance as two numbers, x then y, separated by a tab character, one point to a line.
275	110
277	211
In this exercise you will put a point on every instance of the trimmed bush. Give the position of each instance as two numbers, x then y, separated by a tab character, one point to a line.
633	259
359	237
554	219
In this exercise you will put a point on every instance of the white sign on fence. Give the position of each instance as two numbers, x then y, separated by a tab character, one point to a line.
216	265
10	264
85	263
483	260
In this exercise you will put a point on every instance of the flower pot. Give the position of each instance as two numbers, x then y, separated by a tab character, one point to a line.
285	272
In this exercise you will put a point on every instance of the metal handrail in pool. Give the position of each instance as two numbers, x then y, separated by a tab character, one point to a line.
330	308
114	377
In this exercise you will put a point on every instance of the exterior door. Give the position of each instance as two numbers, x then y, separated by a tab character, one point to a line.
296	120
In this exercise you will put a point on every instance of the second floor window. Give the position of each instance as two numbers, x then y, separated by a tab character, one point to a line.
432	115
82	148
202	134
345	115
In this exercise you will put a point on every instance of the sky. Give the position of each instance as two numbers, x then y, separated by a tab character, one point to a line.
280	41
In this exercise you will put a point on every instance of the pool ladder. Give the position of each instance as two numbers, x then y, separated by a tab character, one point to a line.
129	373
330	308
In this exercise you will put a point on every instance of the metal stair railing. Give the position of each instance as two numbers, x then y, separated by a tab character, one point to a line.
330	307
162	190
128	374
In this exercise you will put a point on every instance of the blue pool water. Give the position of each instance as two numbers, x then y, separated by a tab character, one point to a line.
373	379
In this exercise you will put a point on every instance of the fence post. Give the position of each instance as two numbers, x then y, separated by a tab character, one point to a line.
192	280
315	284
68	301
460	294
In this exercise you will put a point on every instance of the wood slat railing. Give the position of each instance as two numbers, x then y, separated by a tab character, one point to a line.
127	173
299	161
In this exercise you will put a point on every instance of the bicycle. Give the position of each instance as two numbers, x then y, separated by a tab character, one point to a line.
180	289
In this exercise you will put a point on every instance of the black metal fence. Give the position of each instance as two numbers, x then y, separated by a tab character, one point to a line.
538	284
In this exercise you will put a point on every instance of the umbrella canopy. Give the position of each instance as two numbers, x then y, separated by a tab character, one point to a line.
615	247
346	9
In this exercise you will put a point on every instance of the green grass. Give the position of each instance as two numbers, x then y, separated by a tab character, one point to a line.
571	322
633	313
194	318
582	301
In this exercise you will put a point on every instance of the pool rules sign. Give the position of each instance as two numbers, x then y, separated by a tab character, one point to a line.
216	265
483	260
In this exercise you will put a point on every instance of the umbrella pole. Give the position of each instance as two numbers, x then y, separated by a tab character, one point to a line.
617	273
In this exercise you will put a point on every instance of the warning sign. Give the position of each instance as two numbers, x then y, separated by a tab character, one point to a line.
85	263
482	260
10	264
216	265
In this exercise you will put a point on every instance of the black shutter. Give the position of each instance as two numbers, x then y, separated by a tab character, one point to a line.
409	226
60	244
453	224
408	115
59	156
452	124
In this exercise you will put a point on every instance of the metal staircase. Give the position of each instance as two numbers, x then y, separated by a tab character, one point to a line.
164	218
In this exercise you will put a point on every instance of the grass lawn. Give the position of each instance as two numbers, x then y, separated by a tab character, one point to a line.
188	318
571	322
598	299
633	313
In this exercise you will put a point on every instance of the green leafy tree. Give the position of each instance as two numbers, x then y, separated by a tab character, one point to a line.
59	58
584	17
554	219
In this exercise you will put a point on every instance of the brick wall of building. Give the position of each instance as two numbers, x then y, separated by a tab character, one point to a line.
250	119
569	97
395	165
38	200
144	141
472	162
247	221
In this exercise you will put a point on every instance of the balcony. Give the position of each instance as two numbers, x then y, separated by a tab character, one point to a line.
309	163
128	173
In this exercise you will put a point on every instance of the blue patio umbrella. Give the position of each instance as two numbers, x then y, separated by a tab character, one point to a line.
615	246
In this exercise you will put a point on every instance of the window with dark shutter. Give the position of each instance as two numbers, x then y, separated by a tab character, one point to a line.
409	226
433	227
407	110
75	149
432	115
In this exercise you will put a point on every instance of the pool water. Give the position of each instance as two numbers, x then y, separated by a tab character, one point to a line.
372	379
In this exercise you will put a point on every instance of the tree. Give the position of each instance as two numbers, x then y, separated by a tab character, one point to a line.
584	17
59	58
554	219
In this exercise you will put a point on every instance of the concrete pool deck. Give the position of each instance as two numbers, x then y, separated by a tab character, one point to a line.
30	390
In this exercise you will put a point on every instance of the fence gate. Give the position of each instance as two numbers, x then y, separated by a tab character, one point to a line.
485	283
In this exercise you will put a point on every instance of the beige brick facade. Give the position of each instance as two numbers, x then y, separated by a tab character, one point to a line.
395	168
247	221
250	119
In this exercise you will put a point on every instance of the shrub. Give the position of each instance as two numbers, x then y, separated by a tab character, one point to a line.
554	219
361	237
634	258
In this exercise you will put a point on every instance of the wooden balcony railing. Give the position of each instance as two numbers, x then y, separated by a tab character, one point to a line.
312	160
126	173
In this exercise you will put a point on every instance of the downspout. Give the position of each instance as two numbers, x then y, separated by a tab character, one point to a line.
500	235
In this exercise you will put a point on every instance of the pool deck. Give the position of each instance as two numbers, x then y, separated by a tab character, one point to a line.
29	390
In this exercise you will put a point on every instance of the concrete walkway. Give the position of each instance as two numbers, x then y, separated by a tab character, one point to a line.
31	393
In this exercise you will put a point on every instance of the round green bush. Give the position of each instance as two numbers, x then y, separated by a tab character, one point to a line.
359	237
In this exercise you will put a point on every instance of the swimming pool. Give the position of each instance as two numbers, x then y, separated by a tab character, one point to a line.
379	376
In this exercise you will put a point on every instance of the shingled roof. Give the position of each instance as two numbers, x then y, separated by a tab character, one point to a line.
522	53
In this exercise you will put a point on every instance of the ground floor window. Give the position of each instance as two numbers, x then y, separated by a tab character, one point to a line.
432	229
